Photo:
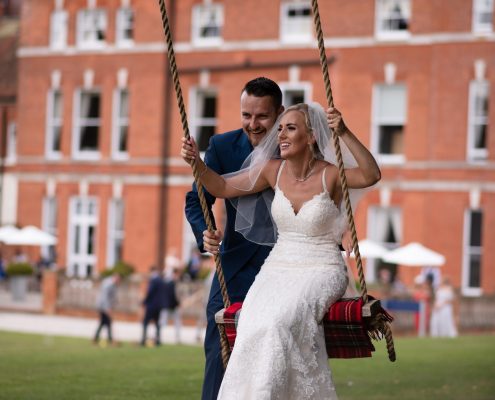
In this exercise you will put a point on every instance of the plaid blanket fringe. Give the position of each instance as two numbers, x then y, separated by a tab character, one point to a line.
347	333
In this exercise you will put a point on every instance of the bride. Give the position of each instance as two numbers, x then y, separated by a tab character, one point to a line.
279	351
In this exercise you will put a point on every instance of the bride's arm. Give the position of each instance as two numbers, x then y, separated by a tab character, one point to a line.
217	185
367	172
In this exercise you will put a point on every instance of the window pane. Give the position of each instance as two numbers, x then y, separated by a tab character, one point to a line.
480	136
209	21
57	134
392	103
292	97
475	229
123	138
481	100
125	24
475	270
204	135
209	106
91	238
57	104
124	104
90	105
391	139
77	240
394	15
89	138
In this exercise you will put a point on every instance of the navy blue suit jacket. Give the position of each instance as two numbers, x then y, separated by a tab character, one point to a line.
225	154
155	295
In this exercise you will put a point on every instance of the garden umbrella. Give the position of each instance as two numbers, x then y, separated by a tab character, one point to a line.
414	254
370	249
7	232
30	236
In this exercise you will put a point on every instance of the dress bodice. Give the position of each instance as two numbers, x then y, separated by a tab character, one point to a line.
314	231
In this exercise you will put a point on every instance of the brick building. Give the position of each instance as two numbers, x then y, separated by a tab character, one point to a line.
97	156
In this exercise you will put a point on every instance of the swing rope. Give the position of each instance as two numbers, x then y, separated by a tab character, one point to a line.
208	219
378	325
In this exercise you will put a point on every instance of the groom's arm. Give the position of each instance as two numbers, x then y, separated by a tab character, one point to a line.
194	212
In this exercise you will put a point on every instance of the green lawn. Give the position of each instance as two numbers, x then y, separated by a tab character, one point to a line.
40	367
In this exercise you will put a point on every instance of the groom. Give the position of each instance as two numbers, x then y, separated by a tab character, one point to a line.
261	104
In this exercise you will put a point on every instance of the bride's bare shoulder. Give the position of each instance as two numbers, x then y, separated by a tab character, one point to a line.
271	170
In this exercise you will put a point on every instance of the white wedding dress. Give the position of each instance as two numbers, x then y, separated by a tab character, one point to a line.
279	351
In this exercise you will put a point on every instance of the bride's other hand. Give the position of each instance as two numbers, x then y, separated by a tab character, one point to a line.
189	151
347	242
335	121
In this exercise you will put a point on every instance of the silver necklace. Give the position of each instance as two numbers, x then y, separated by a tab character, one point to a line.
304	178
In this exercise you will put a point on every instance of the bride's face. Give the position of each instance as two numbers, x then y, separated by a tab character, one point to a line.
294	137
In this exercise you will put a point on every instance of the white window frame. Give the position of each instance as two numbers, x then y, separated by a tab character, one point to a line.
474	120
49	223
481	7
122	24
76	261
196	27
59	29
78	153
398	34
118	123
468	251
288	29
304	87
115	233
11	156
377	122
53	123
374	213
93	43
196	121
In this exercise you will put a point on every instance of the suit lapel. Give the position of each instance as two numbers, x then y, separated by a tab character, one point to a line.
242	149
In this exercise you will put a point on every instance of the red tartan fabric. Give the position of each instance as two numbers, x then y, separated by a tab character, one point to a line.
345	330
230	318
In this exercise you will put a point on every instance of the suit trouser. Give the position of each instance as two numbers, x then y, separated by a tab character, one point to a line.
213	366
151	315
105	320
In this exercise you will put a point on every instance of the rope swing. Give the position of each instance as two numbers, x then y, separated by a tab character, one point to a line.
375	319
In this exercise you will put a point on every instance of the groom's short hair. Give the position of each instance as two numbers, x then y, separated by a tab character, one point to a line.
261	87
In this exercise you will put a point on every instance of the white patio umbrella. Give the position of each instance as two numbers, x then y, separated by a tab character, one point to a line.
7	232
370	249
415	254
30	236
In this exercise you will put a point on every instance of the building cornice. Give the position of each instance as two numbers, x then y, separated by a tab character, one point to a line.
260	45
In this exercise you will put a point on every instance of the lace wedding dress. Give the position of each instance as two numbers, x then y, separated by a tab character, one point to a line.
279	351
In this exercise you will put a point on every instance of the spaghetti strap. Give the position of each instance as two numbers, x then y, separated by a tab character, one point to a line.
279	172
323	180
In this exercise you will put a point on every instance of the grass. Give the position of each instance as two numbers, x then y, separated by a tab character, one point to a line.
41	367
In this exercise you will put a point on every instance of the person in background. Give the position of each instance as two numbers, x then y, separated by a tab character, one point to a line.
171	304
105	304
442	315
154	302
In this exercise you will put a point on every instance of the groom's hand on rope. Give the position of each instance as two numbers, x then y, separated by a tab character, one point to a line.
212	241
189	151
335	121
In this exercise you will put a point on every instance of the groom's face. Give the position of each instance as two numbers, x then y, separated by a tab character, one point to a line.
258	115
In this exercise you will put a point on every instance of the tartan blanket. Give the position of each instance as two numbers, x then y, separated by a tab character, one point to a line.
345	329
230	318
